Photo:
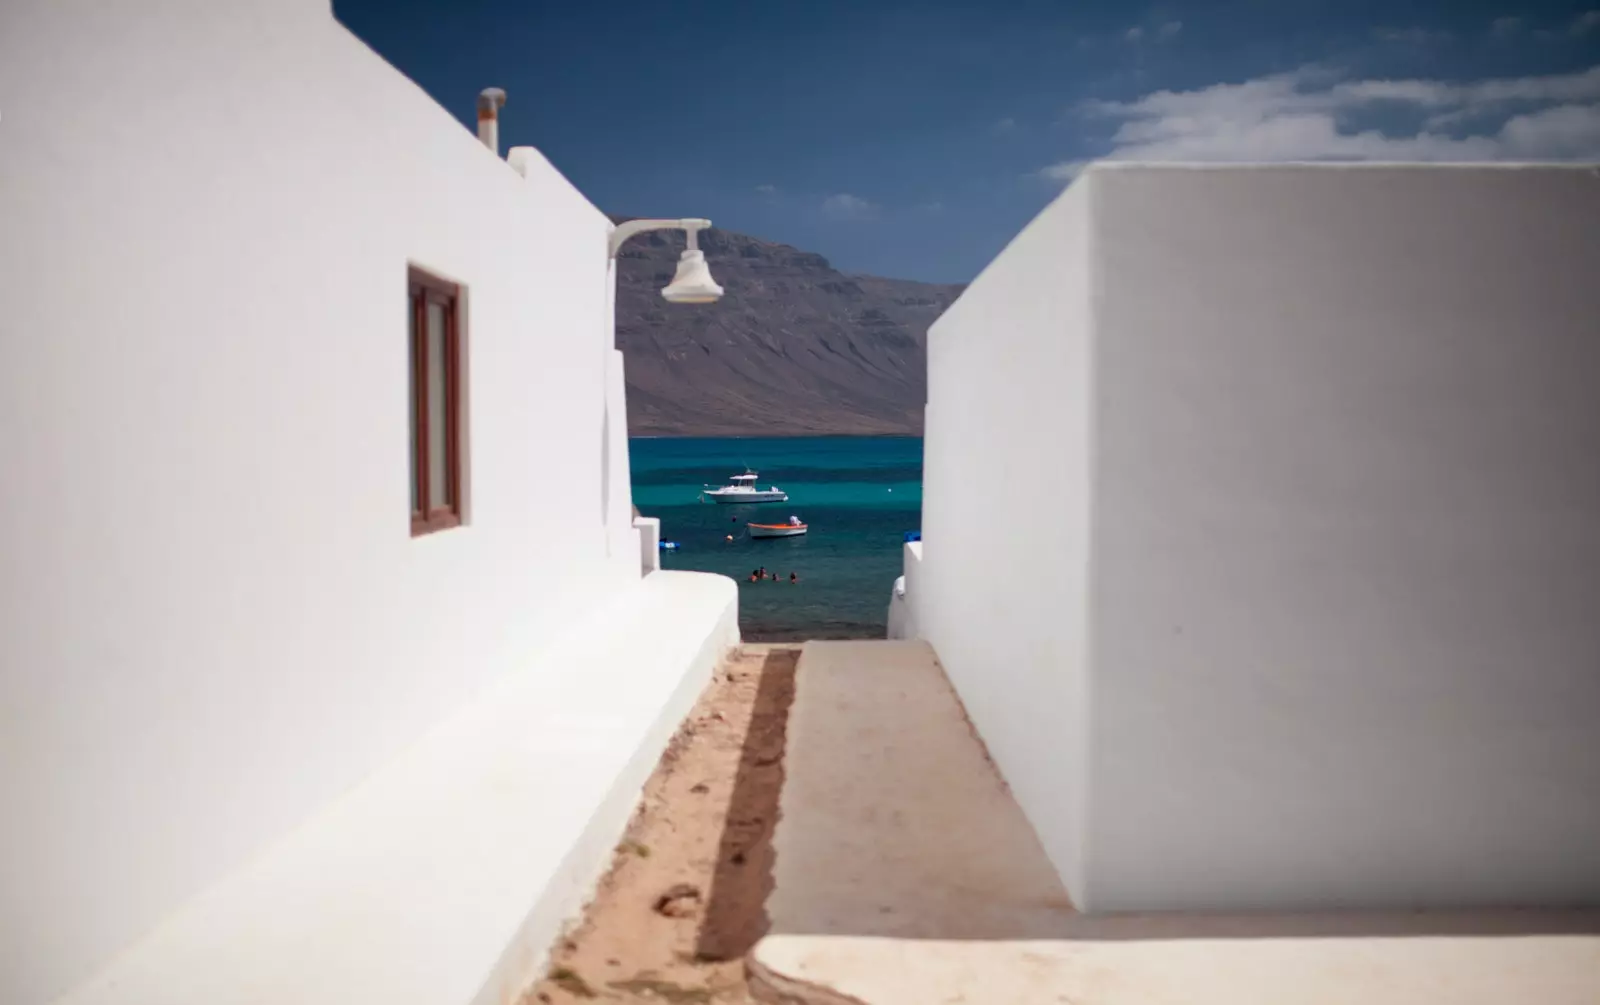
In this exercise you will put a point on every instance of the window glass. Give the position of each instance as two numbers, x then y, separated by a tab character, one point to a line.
438	409
414	444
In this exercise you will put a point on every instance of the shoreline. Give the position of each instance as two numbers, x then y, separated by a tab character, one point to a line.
763	636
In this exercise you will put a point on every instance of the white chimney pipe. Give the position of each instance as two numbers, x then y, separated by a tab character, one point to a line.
489	101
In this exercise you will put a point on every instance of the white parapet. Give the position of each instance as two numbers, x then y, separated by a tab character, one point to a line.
899	629
649	528
903	600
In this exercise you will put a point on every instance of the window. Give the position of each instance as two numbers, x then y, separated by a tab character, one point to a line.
436	336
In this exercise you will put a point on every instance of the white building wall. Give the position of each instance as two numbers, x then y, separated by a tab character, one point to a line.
616	497
1340	426
213	618
623	540
1347	537
1000	588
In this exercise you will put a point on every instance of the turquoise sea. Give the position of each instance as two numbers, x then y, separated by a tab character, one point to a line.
859	495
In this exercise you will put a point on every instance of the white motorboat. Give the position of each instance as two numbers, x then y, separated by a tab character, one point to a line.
794	528
742	489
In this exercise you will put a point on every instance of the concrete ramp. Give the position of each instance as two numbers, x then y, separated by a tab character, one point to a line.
905	874
892	821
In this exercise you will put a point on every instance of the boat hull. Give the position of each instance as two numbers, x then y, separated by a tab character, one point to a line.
731	498
775	530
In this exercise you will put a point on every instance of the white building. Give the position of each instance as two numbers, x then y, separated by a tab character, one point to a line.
271	731
1262	530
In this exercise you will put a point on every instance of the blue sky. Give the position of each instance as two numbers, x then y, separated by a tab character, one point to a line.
914	140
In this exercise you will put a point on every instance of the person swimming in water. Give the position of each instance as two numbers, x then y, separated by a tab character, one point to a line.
793	579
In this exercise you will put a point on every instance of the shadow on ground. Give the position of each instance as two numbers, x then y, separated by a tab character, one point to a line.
735	913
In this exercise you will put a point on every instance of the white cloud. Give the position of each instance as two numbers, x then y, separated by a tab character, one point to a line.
1166	31
1581	87
1005	125
1063	172
766	189
1564	132
845	206
1305	116
1411	36
1579	27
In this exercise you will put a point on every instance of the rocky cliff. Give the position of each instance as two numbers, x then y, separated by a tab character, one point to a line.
795	347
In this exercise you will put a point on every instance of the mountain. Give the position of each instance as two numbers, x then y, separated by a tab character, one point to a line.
795	347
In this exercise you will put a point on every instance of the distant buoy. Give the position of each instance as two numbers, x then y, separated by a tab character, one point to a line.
730	537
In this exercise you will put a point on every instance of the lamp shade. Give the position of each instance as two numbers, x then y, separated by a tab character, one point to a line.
693	283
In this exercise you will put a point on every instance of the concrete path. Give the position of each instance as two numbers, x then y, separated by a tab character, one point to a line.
906	875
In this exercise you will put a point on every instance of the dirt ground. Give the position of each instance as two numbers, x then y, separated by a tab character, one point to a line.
683	901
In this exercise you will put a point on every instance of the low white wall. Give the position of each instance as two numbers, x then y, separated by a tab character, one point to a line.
911	566
649	529
899	626
902	599
448	875
213	618
1309	620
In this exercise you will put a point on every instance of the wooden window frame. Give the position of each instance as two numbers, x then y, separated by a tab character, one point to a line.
425	288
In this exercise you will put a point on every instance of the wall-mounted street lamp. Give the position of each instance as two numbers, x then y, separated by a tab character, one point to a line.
693	283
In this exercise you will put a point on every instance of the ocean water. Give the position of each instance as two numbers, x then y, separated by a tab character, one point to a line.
859	495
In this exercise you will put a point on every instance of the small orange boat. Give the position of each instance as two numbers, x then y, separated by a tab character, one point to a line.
794	528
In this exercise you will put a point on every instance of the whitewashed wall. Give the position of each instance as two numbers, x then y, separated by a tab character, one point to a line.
213	618
623	537
617	496
1343	533
1347	537
1000	592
